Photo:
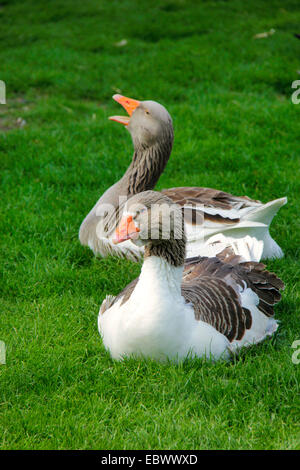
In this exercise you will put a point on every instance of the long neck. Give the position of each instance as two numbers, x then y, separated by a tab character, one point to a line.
160	278
142	174
146	167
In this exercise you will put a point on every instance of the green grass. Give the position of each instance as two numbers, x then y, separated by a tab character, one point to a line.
235	129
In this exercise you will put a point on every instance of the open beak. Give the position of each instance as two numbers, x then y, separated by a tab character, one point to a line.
129	105
126	230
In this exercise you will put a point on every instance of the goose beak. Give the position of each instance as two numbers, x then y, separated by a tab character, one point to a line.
128	104
126	230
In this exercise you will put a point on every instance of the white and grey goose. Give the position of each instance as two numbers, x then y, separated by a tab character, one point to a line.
203	307
214	219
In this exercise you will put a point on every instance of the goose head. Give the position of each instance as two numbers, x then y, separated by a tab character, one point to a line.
152	220
148	122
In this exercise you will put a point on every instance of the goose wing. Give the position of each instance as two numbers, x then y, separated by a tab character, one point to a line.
217	206
124	295
213	286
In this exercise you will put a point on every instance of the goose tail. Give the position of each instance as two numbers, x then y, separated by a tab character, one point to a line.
265	214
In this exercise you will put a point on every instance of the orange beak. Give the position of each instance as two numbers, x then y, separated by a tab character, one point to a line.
128	104
126	230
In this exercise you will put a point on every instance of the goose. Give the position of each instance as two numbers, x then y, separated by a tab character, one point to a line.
214	219
178	308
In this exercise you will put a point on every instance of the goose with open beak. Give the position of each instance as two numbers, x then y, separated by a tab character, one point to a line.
214	219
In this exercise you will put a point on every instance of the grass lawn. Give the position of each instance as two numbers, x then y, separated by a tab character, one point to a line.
236	129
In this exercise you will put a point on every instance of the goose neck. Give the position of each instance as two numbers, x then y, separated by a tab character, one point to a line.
146	167
161	277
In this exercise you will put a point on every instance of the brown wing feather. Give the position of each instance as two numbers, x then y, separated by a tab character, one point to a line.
217	303
264	283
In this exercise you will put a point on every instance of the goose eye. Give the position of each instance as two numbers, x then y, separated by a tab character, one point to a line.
147	112
138	212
